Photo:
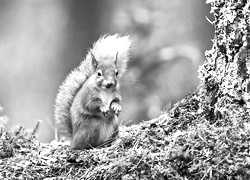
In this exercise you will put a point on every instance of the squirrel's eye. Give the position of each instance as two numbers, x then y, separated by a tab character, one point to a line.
99	73
116	72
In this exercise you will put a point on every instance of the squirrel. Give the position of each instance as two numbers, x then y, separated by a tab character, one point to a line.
87	105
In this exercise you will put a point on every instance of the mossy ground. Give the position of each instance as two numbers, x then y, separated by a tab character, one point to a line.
204	136
181	144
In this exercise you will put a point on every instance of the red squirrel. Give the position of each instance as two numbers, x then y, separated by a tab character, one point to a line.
88	102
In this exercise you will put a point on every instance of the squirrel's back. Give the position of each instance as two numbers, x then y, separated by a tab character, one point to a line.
104	50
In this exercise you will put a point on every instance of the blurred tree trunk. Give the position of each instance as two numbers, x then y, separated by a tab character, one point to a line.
225	73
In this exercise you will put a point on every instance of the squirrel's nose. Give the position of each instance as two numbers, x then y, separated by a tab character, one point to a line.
109	85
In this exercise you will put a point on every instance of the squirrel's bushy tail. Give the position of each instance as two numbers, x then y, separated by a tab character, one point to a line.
104	49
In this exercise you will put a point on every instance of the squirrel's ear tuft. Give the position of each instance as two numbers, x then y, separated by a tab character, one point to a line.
116	57
94	61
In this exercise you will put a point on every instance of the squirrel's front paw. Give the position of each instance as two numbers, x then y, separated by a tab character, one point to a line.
105	110
116	108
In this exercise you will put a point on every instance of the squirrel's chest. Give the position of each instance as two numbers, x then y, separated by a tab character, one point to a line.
106	97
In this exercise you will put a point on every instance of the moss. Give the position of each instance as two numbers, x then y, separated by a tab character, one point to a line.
204	136
173	146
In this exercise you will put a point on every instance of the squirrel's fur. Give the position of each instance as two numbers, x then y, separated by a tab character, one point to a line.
85	113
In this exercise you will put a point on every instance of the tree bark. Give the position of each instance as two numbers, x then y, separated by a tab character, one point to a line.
224	75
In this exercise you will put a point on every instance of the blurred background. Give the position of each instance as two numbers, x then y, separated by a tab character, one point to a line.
41	41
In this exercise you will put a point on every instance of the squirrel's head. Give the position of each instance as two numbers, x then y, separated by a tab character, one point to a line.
106	72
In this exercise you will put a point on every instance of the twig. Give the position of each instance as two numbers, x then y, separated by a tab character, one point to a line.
20	128
209	169
36	128
222	160
211	22
18	132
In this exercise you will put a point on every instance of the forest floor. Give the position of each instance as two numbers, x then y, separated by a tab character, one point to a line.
181	144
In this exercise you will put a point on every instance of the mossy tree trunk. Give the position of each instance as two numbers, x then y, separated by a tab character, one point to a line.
225	73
